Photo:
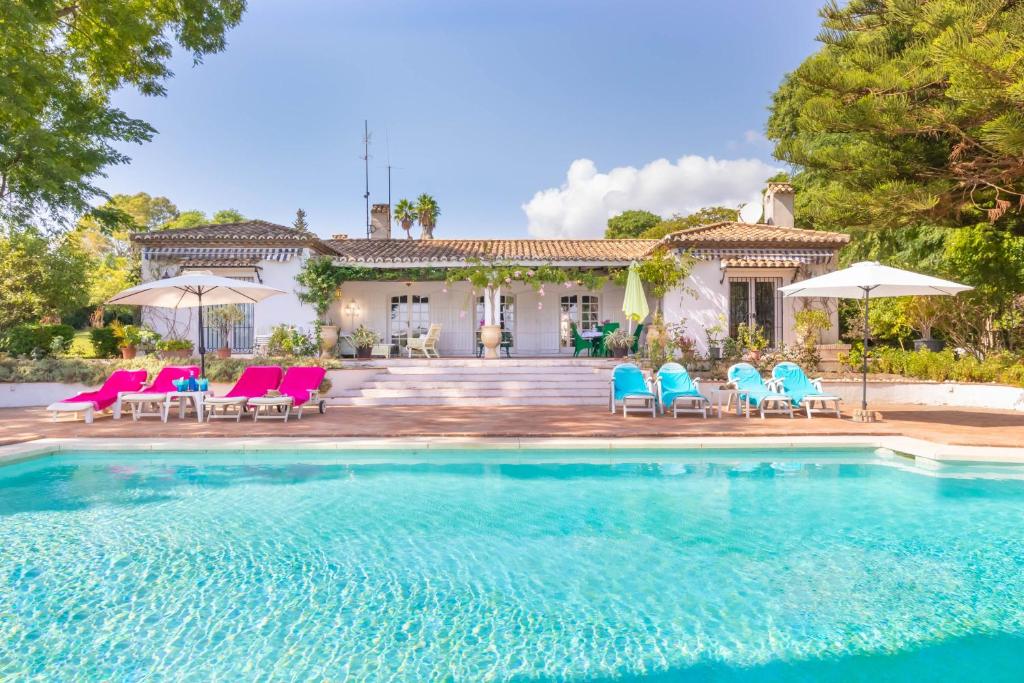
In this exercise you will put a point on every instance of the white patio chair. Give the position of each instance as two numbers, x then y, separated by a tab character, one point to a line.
426	344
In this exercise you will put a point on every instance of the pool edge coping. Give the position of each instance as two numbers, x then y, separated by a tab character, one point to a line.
937	453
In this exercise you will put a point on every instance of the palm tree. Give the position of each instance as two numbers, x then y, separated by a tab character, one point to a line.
405	214
428	211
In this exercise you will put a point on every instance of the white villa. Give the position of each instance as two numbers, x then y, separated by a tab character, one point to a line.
738	272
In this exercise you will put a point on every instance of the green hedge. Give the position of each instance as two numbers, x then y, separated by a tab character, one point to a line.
92	372
26	340
942	366
104	343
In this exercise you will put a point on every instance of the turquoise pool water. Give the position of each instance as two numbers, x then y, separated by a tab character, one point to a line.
291	567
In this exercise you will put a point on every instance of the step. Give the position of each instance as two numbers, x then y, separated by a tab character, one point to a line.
507	385
469	402
493	371
407	392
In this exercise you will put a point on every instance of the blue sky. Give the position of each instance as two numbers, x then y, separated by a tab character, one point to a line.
485	104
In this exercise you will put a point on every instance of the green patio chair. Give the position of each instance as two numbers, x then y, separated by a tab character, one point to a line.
606	329
636	339
579	343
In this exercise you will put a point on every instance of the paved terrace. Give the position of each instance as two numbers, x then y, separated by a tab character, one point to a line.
956	426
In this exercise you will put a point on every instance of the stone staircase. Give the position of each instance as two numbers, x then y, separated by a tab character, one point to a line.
474	382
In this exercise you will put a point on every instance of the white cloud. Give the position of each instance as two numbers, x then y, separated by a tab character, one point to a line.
583	204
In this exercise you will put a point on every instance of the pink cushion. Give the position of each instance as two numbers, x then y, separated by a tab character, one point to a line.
104	397
300	382
164	381
256	380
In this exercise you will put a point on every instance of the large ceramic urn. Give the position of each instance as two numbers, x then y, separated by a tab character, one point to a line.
490	337
328	339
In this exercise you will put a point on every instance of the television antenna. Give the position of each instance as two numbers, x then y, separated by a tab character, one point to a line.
750	213
366	172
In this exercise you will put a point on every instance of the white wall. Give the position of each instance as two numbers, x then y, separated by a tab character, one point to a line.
537	317
282	309
705	295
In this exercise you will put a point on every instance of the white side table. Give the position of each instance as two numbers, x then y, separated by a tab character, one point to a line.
728	393
182	397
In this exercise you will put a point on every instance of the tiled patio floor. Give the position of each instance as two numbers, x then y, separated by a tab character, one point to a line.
961	426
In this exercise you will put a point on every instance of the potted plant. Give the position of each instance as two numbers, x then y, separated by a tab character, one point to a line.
320	280
619	342
714	337
363	338
174	348
128	338
923	312
223	319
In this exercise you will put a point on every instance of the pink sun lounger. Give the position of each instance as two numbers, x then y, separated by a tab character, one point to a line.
91	402
256	381
156	393
300	386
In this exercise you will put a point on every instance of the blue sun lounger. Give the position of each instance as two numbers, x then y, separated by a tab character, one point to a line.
628	386
804	392
752	390
676	389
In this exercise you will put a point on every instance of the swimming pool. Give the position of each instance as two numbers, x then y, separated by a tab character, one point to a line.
832	565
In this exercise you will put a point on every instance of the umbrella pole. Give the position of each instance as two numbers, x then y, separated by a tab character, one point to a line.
864	367
202	338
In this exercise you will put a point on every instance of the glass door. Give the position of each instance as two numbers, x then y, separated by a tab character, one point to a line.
410	317
582	309
755	301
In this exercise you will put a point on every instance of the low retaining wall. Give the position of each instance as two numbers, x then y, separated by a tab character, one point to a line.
33	394
994	396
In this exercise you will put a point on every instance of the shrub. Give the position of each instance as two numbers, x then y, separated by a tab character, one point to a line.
286	340
38	340
1005	367
104	343
174	345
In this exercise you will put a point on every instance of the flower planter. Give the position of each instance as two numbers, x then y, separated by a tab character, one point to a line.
930	344
128	352
619	353
224	352
363	351
490	337
328	339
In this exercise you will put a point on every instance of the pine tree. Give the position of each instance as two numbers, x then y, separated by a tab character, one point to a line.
300	223
911	112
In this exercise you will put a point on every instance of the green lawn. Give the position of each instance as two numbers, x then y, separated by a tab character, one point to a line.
81	346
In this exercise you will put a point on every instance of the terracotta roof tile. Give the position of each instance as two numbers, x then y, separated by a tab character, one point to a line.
369	251
753	234
252	233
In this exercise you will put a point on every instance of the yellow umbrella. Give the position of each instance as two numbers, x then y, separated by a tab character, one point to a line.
635	304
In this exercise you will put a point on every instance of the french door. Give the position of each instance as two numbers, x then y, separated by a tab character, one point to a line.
756	302
582	309
410	317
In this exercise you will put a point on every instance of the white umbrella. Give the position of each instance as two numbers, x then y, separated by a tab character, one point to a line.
196	289
870	280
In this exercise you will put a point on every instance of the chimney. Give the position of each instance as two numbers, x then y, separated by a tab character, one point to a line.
380	222
778	205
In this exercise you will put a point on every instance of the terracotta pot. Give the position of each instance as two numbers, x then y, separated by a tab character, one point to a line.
224	352
328	339
490	337
363	351
127	352
619	353
174	353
